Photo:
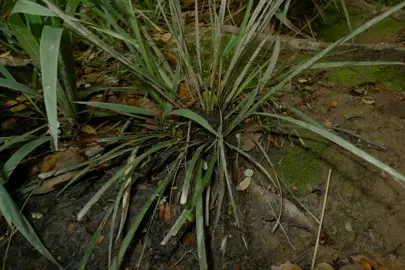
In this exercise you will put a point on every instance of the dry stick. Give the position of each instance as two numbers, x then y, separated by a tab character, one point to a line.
310	45
321	221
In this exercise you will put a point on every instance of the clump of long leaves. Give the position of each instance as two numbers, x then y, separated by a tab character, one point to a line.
202	136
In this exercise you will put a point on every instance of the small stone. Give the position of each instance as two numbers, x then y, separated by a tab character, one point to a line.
323	266
348	226
351	267
248	173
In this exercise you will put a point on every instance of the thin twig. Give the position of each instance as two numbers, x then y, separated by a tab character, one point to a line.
321	221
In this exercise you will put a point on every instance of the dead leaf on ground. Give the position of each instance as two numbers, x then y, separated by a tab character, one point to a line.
166	37
59	160
170	58
71	227
149	105
334	104
166	212
366	262
18	108
244	184
88	70
132	102
88	129
54	183
151	124
9	123
185	90
188	239
100	239
392	262
14	105
6	55
162	37
302	80
49	162
247	143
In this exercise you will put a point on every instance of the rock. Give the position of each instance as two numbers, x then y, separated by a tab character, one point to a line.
323	266
351	267
348	226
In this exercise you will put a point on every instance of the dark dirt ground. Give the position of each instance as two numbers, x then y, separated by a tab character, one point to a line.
364	213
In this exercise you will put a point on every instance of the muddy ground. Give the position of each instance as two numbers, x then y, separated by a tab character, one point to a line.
364	211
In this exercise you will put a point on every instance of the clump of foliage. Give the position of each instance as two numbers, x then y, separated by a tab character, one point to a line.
203	136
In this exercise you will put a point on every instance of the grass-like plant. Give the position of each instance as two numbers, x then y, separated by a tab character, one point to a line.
198	139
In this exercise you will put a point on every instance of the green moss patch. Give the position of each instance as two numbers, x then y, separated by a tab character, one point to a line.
335	27
300	169
351	76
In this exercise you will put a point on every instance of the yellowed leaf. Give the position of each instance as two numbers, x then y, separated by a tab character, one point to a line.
88	129
10	103
100	239
49	162
21	98
5	54
18	108
244	184
334	104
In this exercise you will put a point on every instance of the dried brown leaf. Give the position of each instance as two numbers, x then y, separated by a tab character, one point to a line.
70	227
53	183
244	184
166	212
88	129
149	105
247	143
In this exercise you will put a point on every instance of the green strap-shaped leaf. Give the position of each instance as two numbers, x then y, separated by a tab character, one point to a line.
196	118
20	154
118	108
13	85
12	215
5	73
30	7
49	51
22	32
